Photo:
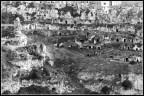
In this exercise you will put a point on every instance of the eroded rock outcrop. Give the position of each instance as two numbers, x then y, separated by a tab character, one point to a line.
24	58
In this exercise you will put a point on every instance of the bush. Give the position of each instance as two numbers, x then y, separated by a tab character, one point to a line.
33	90
87	91
6	92
35	74
16	3
139	44
31	5
8	33
132	63
8	18
13	55
126	84
70	67
105	90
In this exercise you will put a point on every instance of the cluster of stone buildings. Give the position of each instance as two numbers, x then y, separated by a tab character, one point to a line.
56	24
51	17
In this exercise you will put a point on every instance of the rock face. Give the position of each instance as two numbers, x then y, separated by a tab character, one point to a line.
24	58
19	38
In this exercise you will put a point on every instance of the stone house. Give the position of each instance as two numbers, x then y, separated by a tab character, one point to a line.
27	17
69	21
137	58
32	26
129	39
83	16
54	13
87	22
83	28
122	47
114	29
70	28
131	28
53	33
46	26
97	39
138	40
61	33
118	39
120	58
53	27
68	15
124	39
13	10
91	16
104	29
136	48
129	46
61	21
79	22
107	39
70	44
139	33
26	27
90	28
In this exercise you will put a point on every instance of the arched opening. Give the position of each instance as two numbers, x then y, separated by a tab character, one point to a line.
60	20
98	48
75	22
128	48
116	29
59	34
82	41
70	46
65	22
124	40
120	75
111	57
117	40
88	54
53	89
72	25
126	59
122	47
98	40
87	34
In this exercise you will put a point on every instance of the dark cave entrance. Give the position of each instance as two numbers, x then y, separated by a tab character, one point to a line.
117	40
126	59
98	48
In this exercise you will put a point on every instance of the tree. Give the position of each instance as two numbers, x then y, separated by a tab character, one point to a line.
16	3
132	62
70	9
33	15
126	84
6	92
31	5
130	14
47	6
140	14
20	16
87	11
33	89
7	18
105	90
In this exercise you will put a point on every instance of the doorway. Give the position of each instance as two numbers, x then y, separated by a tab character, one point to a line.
126	59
